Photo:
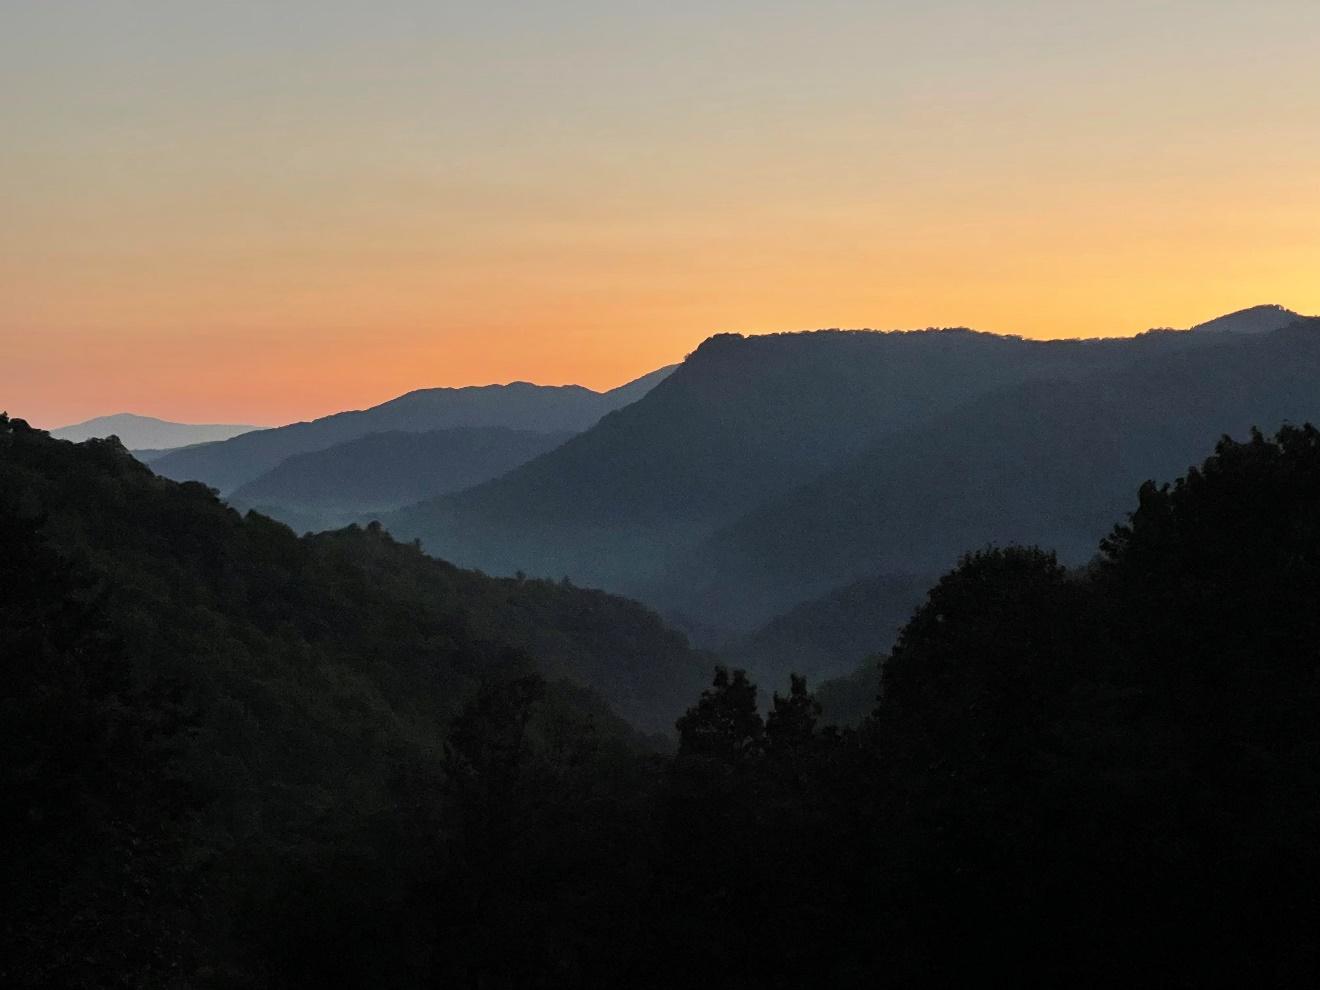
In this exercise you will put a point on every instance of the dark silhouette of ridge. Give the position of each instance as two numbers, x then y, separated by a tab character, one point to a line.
235	756
516	406
148	455
1046	463
742	421
324	489
166	538
1256	319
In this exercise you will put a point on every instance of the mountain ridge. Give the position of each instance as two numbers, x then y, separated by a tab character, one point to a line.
1044	462
518	405
378	472
1254	319
101	505
742	419
149	432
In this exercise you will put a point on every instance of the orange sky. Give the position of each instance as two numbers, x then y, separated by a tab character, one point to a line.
252	215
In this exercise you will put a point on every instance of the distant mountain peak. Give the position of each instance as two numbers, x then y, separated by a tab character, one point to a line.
1255	319
145	432
517	405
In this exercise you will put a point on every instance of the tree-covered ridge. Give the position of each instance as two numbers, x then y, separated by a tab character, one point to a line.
177	547
1044	462
741	420
1101	776
715	495
518	406
287	687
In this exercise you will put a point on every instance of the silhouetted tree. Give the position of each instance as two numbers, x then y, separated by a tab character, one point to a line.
724	724
791	723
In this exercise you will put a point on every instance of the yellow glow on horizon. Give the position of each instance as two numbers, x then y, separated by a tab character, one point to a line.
257	215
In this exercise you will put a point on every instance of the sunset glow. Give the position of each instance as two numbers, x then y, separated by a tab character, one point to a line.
258	212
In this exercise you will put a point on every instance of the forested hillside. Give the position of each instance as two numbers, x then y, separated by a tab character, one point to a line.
743	419
751	428
1048	463
1101	778
237	758
206	718
1255	319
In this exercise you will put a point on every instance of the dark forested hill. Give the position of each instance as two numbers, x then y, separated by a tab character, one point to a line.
173	548
1046	462
1103	777
516	406
741	420
262	692
1256	319
383	471
233	757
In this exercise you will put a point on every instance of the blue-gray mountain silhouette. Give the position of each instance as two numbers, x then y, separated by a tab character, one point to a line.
324	489
664	499
1045	462
1257	319
147	432
516	406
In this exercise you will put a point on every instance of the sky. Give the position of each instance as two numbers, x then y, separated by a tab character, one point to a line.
267	211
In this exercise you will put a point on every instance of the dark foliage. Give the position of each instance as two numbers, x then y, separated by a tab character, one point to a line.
89	797
1099	777
212	724
1108	777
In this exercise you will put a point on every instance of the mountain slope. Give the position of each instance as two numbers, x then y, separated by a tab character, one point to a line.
1046	462
382	471
1256	319
149	455
827	637
176	554
219	739
517	406
147	432
742	419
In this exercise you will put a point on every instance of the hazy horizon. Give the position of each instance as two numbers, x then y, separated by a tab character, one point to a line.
334	404
270	212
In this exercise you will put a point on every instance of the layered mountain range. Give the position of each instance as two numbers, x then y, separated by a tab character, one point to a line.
767	473
325	489
333	759
768	470
230	464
